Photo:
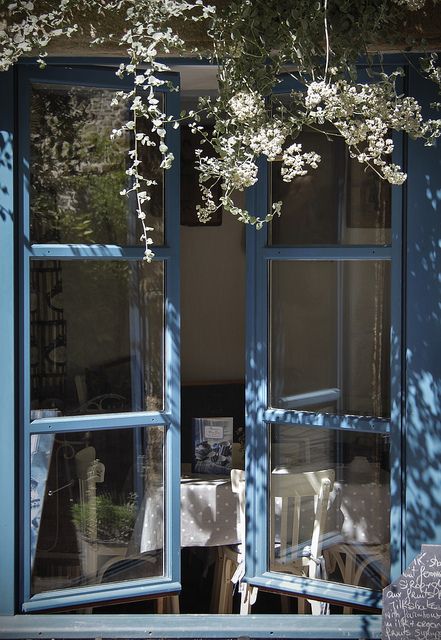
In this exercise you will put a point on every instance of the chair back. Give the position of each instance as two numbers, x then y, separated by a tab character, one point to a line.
290	494
238	487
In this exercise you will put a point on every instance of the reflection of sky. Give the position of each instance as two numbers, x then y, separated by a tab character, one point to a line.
41	450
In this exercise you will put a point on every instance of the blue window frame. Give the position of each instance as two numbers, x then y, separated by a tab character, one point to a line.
262	416
412	285
33	255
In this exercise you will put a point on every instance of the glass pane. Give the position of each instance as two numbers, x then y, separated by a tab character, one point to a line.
96	336
97	504
329	337
340	202
335	484
77	172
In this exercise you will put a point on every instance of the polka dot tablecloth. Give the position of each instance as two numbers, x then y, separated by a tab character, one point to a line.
366	512
209	512
209	515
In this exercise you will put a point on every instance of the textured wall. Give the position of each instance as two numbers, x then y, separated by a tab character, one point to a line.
427	23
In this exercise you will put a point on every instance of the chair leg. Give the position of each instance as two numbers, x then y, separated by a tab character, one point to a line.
349	576
316	607
285	604
217	577
174	604
248	598
167	604
223	586
301	605
226	597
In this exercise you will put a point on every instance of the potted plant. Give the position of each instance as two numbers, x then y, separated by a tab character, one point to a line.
104	526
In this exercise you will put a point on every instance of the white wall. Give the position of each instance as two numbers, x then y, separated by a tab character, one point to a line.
213	302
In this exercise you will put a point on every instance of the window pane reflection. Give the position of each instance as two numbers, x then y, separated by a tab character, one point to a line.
96	507
330	505
340	202
77	172
329	337
96	336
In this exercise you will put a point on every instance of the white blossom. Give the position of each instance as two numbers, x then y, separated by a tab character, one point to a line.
247	123
246	106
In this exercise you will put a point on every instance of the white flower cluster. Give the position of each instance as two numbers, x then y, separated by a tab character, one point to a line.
365	115
148	31
236	173
318	92
27	31
246	106
243	175
295	162
245	124
268	139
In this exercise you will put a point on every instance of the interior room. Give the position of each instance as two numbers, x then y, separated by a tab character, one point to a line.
97	347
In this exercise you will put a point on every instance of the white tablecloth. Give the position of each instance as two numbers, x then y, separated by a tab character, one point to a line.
209	515
209	512
366	512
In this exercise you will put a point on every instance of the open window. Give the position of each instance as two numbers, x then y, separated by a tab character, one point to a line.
111	502
99	355
320	386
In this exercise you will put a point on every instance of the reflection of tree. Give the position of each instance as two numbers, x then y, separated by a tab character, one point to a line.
77	171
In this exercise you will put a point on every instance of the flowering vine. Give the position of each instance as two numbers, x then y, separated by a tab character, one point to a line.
252	43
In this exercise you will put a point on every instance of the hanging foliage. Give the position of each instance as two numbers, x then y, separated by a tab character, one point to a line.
252	43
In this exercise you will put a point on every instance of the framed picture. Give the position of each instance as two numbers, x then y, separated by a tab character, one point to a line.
212	445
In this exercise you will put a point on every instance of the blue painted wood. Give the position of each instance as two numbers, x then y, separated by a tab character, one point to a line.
89	62
22	427
257	465
350	252
397	358
105	593
328	421
61	627
318	589
423	337
95	251
423	365
172	345
68	75
256	386
8	476
102	77
65	424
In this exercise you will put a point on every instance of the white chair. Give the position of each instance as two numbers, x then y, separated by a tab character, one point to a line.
354	560
229	568
287	554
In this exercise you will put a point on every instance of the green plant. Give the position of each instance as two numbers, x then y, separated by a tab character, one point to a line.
114	521
252	42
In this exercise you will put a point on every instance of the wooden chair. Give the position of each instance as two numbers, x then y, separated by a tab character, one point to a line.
353	560
287	554
231	559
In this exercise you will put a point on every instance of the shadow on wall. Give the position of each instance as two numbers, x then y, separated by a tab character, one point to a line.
423	358
423	454
5	174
